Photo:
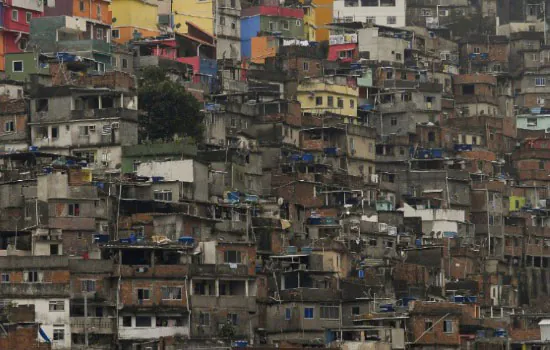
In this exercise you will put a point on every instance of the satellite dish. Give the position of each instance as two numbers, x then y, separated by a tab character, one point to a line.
280	201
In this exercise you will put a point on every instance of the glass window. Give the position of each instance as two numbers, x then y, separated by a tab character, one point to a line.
308	313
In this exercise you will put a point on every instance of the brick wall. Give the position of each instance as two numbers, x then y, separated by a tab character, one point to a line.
22	337
129	292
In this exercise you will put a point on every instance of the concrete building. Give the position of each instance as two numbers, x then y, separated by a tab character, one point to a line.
382	12
91	123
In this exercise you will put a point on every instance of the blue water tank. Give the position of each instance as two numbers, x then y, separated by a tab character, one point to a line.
361	274
186	240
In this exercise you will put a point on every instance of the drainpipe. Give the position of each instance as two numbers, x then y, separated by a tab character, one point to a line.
187	303
198	51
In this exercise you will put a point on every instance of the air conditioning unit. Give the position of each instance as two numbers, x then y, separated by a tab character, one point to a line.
382	227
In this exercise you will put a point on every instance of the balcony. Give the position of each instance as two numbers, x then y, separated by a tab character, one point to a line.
224	302
84	46
97	113
34	290
151	332
219	270
399	84
96	325
231	226
157	271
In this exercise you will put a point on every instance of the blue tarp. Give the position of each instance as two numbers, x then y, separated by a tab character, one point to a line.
44	335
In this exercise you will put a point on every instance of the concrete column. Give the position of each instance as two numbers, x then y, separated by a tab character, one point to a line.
152	258
190	286
246	288
99	102
217	283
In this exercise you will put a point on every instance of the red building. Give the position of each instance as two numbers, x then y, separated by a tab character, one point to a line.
16	18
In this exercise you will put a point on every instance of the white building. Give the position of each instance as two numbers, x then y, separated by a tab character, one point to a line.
382	12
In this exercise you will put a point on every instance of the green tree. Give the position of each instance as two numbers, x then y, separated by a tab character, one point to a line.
168	111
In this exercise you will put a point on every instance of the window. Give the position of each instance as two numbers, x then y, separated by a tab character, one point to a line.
124	63
288	313
531	121
99	33
54	249
355	310
403	75
448	326
319	100
474	140
163	195
286	26
428	325
59	334
373	242
14	15
330	312
5	277
541	165
17	66
540	81
98	11
84	130
306	66
57	305
308	313
9	126
143	321
115	33
82	5
391	20
171	293
393	121
55	132
534	57
425	12
88	285
74	209
31	276
222	20
370	19
340	102
330	101
204	319
477	50
232	257
272	26
233	319
540	101
398	56
28	17
233	4
126	321
100	67
431	136
143	294
348	19
351	103
298	23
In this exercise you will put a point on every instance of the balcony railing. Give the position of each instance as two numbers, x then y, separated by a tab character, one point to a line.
97	325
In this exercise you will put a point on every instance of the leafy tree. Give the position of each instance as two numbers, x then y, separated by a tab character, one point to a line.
168	111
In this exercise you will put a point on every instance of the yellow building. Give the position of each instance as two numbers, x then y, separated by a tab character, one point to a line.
309	22
317	15
198	12
130	16
318	96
